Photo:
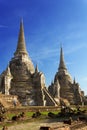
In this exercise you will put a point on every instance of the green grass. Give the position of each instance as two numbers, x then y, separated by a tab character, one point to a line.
29	114
9	115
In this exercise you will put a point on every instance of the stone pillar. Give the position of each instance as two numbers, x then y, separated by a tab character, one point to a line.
7	81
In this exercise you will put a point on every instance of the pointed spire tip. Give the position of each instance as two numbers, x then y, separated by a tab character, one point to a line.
62	63
21	47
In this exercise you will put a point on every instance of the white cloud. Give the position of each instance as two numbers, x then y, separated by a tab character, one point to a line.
74	35
69	63
75	47
46	53
3	26
53	51
84	79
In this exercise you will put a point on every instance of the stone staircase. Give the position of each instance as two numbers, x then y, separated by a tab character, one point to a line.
50	99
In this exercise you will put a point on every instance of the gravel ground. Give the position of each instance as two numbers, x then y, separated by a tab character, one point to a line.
85	128
30	126
35	125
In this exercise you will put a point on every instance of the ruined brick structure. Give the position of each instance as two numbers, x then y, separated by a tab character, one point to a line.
28	84
22	79
63	85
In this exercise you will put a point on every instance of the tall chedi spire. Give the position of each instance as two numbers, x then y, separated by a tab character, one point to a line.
21	46
21	54
62	65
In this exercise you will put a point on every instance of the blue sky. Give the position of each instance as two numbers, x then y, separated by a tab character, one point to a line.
47	24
